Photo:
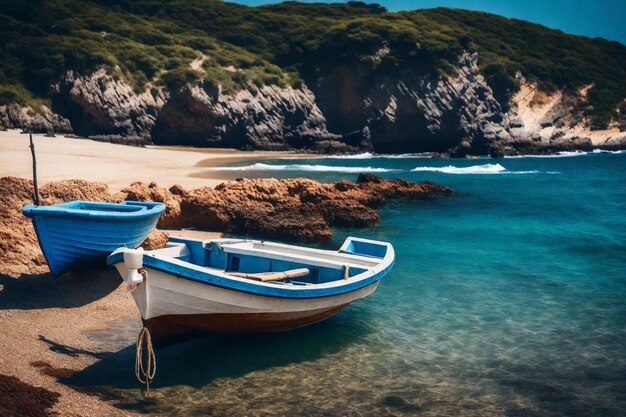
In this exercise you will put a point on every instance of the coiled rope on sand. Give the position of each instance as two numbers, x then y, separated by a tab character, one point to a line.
145	375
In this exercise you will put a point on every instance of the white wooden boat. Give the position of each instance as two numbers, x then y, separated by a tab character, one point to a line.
237	285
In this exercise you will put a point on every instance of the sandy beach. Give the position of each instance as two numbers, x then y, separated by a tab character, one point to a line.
46	324
117	166
46	321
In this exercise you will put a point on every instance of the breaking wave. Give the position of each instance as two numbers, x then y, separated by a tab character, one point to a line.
473	169
302	167
369	155
566	154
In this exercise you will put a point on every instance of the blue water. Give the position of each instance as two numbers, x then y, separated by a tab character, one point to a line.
508	298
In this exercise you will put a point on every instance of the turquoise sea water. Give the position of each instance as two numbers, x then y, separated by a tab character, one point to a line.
506	299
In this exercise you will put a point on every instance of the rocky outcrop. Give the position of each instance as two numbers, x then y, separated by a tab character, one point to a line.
291	209
269	117
103	107
544	123
140	191
407	111
343	107
42	120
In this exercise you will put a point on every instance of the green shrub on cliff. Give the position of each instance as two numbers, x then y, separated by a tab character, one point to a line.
283	44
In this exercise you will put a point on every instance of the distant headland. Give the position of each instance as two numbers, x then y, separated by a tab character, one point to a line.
334	78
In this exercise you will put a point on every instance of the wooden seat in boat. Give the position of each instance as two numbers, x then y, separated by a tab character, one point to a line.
272	276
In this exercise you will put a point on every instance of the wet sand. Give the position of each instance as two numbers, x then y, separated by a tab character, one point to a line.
62	158
46	324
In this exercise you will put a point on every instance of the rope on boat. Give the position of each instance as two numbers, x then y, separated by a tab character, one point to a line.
145	375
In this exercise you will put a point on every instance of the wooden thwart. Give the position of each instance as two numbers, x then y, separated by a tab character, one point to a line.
272	276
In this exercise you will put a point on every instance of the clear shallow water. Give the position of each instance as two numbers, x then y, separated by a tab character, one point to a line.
506	299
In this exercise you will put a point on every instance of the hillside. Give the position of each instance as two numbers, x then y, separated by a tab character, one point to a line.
325	77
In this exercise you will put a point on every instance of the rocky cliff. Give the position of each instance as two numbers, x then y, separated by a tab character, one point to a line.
347	109
340	77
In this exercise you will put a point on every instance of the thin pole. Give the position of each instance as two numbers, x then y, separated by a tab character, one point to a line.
32	151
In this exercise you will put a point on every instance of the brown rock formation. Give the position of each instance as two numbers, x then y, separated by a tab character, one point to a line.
155	240
19	249
140	191
290	209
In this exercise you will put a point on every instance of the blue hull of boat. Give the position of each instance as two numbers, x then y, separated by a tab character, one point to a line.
80	232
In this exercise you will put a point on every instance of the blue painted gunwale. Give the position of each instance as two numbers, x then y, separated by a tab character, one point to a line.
294	292
78	232
134	210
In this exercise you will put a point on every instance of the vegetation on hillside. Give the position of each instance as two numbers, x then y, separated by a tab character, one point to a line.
145	41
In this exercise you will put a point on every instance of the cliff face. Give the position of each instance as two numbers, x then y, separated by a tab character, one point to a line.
102	107
344	108
269	117
408	112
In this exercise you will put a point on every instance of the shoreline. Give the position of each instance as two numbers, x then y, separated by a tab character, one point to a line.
62	158
48	323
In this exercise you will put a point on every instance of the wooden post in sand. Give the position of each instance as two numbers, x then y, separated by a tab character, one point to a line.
32	151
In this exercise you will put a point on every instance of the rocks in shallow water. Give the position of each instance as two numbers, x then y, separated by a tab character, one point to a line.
294	209
606	373
289	209
399	403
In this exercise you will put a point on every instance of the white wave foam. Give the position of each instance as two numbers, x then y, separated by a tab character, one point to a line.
364	155
302	167
370	155
473	169
608	151
562	154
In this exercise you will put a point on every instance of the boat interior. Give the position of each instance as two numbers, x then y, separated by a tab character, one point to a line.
278	263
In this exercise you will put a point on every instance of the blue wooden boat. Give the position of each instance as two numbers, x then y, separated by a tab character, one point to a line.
241	285
80	232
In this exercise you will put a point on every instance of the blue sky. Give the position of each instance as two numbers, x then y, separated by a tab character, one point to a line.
594	18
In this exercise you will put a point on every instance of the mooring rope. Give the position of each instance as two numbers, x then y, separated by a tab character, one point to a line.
145	375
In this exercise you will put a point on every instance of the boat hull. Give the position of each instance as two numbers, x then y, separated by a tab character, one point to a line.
173	327
69	239
172	306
